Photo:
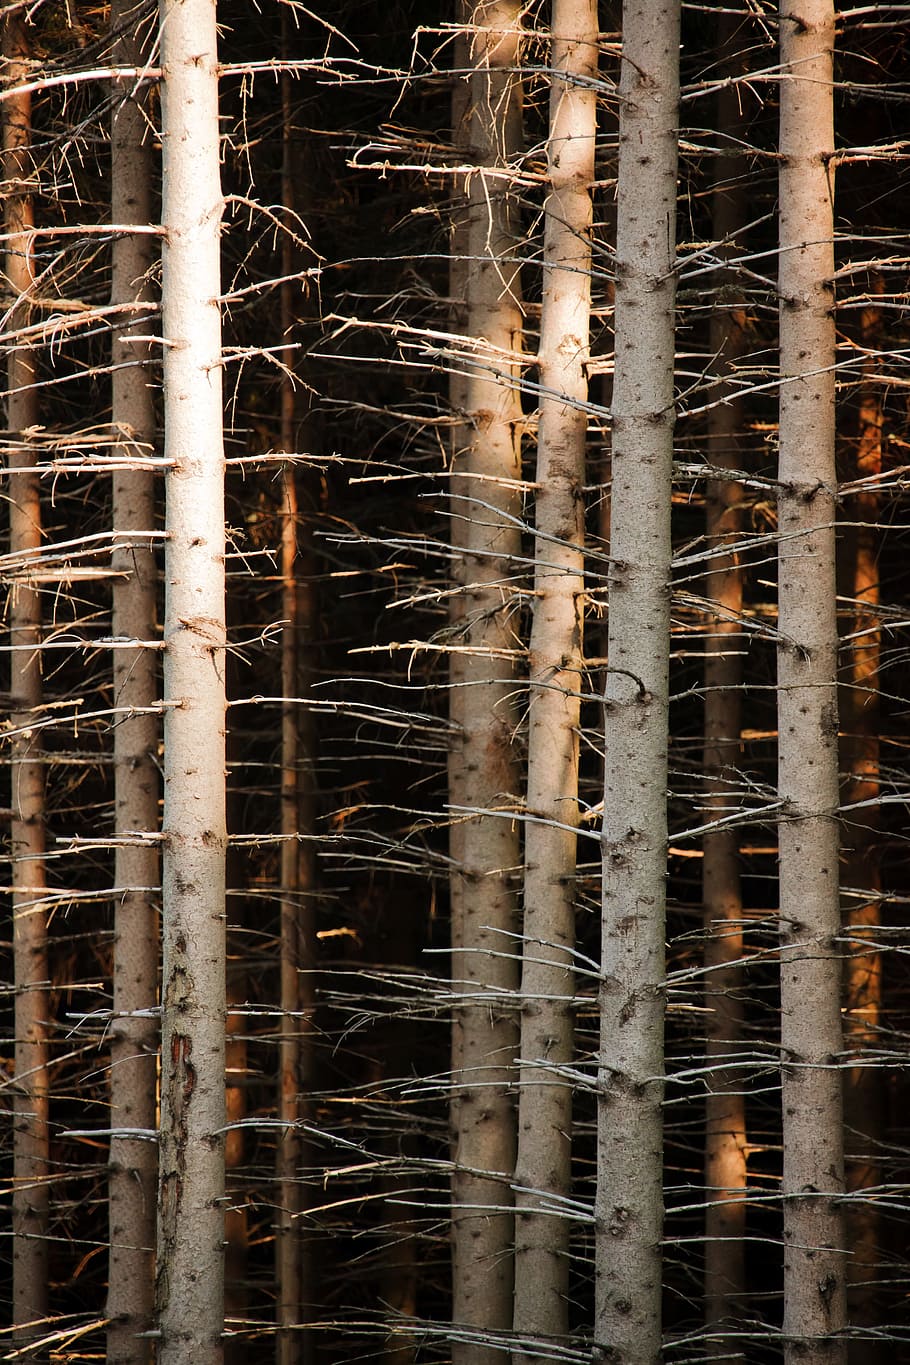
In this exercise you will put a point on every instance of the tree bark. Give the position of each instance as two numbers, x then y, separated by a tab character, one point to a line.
811	1037
861	868
295	1262
543	1169
190	1279
725	1109
629	1202
486	471
133	1158
27	801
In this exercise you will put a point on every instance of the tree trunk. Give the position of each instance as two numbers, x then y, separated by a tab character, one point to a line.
295	1262
811	1037
191	1180
486	471
133	1158
459	442
862	875
629	1205
27	837
725	1110
543	1170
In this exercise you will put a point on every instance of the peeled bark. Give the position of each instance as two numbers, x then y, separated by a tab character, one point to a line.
190	1278
133	1158
27	836
486	470
543	1169
629	1202
811	1036
725	1116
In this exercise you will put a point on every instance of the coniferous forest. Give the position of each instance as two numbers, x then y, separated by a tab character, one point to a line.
455	682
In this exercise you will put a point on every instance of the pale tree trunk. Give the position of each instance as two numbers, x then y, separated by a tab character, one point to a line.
133	1158
486	470
191	1178
863	1089
629	1203
295	1262
543	1169
27	838
811	1036
725	1117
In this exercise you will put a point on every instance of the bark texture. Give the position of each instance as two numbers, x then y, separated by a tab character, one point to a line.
629	1202
543	1170
133	1158
191	1179
811	1036
27	825
485	472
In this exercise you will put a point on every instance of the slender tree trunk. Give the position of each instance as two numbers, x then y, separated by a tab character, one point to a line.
863	1091
133	1158
543	1170
295	1262
27	838
459	442
811	1037
629	1204
485	499
725	1118
191	1180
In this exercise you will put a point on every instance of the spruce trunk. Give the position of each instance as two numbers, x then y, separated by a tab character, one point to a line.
629	1203
295	1261
811	1036
486	470
725	1109
190	1278
543	1170
864	1085
27	801
133	1158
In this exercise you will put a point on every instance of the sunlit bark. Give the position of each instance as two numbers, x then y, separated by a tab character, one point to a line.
543	1169
483	769
191	1180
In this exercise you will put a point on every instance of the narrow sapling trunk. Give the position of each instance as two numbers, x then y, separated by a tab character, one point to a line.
459	442
543	1169
629	1202
27	838
191	1179
861	864
811	1034
484	506
295	1261
133	1158
725	1109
